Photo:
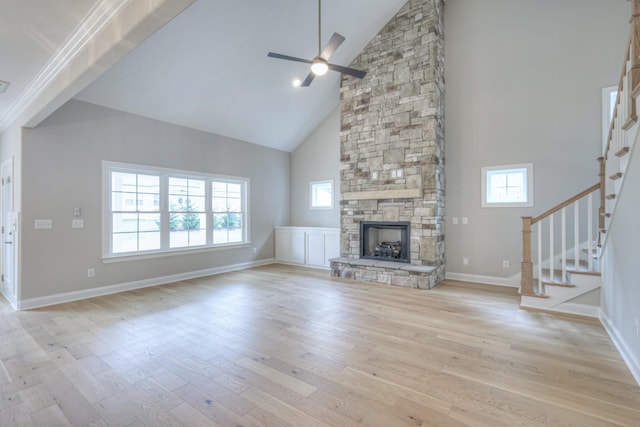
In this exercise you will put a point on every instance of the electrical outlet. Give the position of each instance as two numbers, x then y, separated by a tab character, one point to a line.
505	263
255	250
91	272
465	261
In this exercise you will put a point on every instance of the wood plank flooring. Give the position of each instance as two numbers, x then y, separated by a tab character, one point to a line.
288	346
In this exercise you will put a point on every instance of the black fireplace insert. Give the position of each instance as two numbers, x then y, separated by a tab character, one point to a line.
388	241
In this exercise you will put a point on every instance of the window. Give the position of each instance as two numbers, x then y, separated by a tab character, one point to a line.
321	194
507	186
609	97
156	210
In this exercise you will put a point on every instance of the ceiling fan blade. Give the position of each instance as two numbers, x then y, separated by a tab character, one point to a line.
334	43
308	80
346	70
288	58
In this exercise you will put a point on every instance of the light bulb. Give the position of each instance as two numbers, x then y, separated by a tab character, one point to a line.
296	82
319	67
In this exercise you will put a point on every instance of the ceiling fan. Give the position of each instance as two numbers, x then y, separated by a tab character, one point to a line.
320	64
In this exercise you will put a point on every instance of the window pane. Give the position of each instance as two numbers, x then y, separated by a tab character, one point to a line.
123	201
234	190
149	241
125	223
123	181
178	186
179	238
220	235
177	203
219	189
235	205
198	236
219	204
124	242
322	194
196	187
195	204
149	222
148	184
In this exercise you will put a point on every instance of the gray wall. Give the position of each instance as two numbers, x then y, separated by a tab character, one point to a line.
62	167
620	283
317	158
523	84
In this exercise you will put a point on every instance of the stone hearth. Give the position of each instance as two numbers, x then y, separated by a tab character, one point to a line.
392	147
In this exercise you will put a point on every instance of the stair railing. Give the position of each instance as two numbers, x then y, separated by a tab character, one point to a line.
623	128
551	247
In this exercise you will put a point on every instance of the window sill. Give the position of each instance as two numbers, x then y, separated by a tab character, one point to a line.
187	251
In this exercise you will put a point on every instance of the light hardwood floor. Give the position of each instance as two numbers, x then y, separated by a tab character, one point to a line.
287	346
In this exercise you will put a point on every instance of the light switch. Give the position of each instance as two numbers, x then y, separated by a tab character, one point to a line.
465	220
43	224
455	220
77	223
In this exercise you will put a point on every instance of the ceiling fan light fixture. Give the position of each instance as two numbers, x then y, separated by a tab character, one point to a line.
319	67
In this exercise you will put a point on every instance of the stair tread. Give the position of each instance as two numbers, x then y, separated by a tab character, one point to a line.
623	151
616	175
560	284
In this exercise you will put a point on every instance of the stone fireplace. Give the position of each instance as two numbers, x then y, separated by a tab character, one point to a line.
392	149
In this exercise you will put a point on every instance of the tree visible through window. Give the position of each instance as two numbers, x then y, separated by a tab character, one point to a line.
228	211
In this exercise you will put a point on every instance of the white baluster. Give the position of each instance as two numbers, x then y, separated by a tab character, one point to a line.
563	246
551	254
589	231
576	230
540	257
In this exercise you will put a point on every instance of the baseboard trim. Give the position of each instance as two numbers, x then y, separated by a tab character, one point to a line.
582	310
64	297
512	282
11	302
627	355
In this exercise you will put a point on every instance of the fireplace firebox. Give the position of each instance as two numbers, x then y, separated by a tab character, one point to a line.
388	241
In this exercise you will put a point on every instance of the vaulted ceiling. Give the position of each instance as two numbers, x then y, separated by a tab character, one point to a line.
207	68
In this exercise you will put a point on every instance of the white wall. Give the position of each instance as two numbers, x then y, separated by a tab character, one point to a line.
620	279
523	84
62	168
317	158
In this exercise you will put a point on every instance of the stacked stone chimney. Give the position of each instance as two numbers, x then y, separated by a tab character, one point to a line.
392	146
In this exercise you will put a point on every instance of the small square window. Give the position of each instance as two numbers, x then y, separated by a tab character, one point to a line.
321	194
507	186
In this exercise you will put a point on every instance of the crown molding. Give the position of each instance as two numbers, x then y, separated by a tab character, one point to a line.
103	12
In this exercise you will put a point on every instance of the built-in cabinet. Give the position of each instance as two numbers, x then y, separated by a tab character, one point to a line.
311	246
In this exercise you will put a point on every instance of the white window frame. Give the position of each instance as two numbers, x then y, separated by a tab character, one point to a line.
607	115
165	173
312	191
528	183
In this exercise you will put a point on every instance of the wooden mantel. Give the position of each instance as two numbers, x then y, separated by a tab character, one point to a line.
411	193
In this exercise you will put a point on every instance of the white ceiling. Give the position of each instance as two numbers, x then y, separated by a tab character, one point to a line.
208	68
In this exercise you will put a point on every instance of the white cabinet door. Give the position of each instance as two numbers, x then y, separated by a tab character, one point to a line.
297	247
331	247
283	245
315	248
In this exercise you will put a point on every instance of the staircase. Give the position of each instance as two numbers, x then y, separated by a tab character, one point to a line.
560	255
561	247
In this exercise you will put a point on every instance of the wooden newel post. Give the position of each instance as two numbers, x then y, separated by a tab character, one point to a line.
526	266
601	209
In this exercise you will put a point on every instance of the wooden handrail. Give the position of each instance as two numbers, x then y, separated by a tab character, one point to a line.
565	203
